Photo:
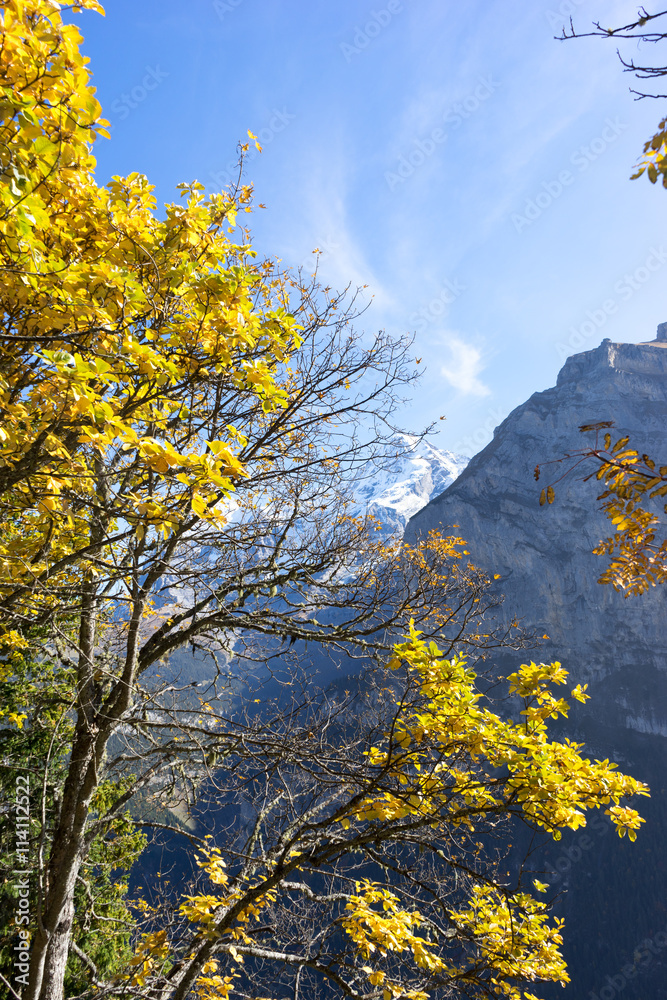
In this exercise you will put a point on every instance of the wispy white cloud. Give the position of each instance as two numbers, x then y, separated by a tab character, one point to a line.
463	367
321	221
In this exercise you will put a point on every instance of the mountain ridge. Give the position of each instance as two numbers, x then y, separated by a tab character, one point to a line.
548	576
402	486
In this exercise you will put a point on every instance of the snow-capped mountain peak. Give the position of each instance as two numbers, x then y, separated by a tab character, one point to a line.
395	492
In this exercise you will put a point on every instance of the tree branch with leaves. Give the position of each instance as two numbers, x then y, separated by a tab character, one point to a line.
364	864
654	160
634	486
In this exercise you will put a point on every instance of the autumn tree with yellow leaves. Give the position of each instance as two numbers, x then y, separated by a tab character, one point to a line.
364	867
181	423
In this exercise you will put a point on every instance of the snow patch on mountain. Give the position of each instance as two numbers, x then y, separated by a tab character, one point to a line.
403	486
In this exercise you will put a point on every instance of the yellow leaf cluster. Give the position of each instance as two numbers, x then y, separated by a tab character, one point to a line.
214	987
508	762
552	781
376	922
633	483
638	560
120	326
151	953
205	909
514	938
654	160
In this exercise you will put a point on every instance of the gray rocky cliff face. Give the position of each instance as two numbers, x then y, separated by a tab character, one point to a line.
614	908
543	554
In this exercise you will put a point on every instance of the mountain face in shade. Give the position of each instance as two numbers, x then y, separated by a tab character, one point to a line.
548	574
543	554
394	494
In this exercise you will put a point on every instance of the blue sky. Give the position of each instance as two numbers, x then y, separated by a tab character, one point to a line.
455	158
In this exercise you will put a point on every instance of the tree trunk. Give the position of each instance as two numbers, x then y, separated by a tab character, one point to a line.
51	943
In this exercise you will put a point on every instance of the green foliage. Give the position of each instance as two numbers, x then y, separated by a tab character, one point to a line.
36	695
104	924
